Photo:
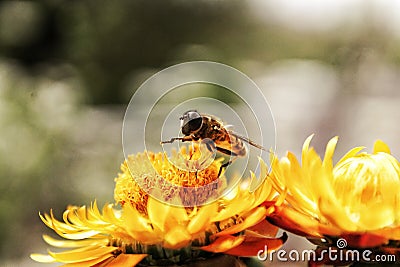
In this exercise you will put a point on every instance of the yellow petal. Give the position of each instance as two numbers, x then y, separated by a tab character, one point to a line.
224	243
134	221
307	142
90	262
265	190
46	219
138	227
277	173
164	216
298	180
202	218
109	214
95	209
330	149
255	217
336	215
76	235
236	206
350	154
127	260
74	243
68	231
82	254
381	146
305	150
255	182
87	218
376	216
176	238
42	258
294	164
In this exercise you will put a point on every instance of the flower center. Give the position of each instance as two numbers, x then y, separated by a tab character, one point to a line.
145	172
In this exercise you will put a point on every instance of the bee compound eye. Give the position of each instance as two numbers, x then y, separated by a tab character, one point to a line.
195	124
191	122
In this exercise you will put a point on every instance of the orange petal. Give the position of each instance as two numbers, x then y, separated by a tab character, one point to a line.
252	248
127	260
300	224
262	229
392	233
284	218
224	243
268	204
366	240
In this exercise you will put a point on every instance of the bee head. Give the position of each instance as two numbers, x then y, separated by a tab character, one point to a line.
191	122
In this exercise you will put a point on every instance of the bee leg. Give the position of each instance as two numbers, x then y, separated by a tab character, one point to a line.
173	139
223	166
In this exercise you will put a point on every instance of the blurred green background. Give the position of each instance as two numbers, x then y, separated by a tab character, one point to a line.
69	68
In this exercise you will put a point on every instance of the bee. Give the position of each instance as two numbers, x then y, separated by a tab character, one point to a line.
197	127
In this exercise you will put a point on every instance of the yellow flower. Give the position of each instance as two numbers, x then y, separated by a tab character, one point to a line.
156	175
153	232
356	199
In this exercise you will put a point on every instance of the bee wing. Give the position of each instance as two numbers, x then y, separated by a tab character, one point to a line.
229	127
247	140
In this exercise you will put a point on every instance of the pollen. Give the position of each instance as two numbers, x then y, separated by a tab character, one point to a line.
127	190
145	172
